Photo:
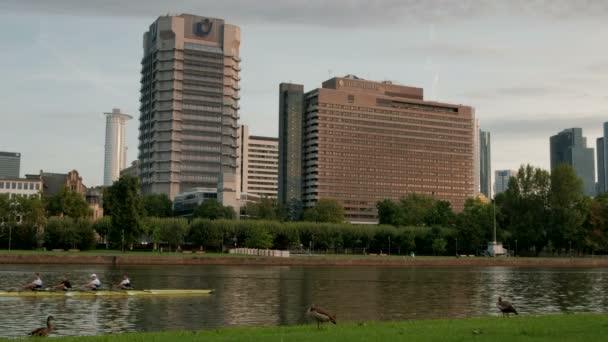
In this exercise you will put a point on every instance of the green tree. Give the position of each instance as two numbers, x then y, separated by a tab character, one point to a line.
475	224
440	214
596	237
389	212
569	208
416	209
258	238
122	202
213	210
171	231
103	226
525	205
264	209
157	205
65	233
22	221
439	246
326	210
206	234
68	203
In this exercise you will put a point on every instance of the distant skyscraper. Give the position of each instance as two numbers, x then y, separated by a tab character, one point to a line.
360	142
115	158
570	147
601	165
602	160
291	120
485	164
501	180
10	163
189	106
258	164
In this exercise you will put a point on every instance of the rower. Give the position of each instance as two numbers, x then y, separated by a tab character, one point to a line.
94	284
125	284
64	285
36	284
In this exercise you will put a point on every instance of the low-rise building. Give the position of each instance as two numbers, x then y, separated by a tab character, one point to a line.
186	202
21	187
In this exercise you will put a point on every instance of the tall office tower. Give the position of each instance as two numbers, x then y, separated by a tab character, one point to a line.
115	157
359	142
476	159
258	164
10	163
603	181
189	106
601	166
501	180
485	162
570	147
291	120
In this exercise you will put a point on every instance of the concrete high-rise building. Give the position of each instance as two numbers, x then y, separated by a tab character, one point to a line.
359	142
485	164
570	147
601	165
189	106
115	158
258	164
501	180
10	163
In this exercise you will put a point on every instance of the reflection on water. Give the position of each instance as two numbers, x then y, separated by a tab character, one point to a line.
279	295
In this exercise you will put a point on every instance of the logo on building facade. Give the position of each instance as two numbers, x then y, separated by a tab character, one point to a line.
203	28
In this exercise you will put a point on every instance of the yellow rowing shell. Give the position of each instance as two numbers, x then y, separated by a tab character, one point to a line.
104	293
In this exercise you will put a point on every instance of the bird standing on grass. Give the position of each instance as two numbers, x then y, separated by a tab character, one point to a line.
45	331
505	307
321	315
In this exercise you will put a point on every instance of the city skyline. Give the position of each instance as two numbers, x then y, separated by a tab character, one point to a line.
526	82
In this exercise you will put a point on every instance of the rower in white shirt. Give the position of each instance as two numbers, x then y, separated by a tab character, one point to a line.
36	284
94	284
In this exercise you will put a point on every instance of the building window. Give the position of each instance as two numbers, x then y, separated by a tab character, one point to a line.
1	185
19	186
13	185
37	186
31	186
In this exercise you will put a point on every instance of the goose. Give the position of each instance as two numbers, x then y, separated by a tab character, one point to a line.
320	315
45	331
505	307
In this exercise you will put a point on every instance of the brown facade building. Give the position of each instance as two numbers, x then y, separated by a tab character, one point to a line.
360	142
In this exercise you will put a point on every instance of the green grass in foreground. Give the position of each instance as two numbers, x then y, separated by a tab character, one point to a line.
551	328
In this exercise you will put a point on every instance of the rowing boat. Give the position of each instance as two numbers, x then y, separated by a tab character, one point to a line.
106	293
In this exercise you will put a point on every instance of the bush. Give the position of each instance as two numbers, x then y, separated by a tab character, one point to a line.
66	233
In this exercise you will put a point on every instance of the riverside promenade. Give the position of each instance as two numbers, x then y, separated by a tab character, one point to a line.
146	258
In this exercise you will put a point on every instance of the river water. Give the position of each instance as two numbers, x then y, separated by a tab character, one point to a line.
279	295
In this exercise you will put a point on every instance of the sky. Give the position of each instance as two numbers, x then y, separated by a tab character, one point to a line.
530	68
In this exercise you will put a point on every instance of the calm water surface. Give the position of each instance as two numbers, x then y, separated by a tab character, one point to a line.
279	295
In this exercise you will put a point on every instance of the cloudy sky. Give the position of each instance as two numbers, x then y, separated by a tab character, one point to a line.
530	67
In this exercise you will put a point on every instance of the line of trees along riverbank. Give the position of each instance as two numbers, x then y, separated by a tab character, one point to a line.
538	212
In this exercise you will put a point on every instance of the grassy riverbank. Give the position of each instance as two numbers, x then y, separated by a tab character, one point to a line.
583	328
112	257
